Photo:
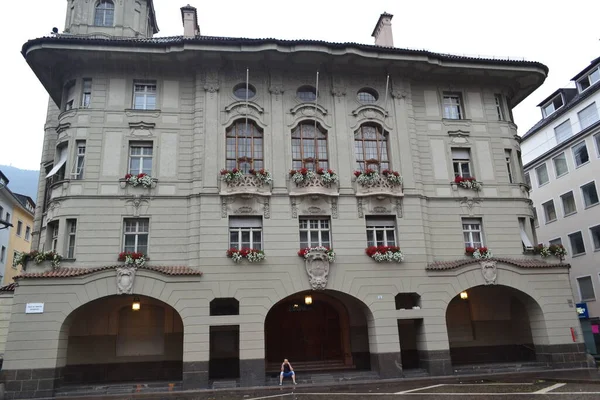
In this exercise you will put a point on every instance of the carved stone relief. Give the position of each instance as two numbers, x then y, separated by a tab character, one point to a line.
359	207
246	204
125	277
317	267
489	271
137	205
142	128
470	203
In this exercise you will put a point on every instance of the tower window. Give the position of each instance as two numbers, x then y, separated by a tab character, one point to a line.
105	13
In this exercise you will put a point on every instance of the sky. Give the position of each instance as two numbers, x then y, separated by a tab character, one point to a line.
537	30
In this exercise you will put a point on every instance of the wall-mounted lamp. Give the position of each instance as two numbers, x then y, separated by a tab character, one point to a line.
308	299
464	295
136	305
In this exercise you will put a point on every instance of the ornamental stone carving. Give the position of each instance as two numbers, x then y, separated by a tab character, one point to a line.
248	185
125	277
489	271
317	267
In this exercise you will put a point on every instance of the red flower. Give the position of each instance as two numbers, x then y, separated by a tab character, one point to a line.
252	171
140	176
483	250
232	251
330	171
396	173
302	252
293	172
458	179
224	172
304	171
262	171
385	172
128	176
470	250
357	173
244	252
234	171
320	171
369	171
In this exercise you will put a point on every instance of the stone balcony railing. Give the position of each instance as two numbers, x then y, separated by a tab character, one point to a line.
313	187
380	188
248	186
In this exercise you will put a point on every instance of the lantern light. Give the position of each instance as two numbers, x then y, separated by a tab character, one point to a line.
136	305
464	295
308	299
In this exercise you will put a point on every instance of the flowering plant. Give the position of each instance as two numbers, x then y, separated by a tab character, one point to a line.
232	175
392	176
366	177
252	255
557	250
262	175
385	253
301	175
305	252
140	179
21	258
542	250
327	175
479	253
468	183
133	258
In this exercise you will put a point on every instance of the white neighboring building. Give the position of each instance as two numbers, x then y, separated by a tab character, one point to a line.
562	165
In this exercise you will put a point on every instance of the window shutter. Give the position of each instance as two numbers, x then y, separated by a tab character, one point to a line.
62	159
524	237
460	154
588	116
245	222
563	131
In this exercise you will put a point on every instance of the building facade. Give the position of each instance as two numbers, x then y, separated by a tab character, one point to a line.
155	147
562	159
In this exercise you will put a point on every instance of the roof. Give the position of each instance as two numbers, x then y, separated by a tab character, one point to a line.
382	16
587	69
569	93
67	272
8	288
522	263
23	199
153	16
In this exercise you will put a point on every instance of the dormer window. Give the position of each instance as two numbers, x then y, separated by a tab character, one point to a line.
105	13
589	80
551	107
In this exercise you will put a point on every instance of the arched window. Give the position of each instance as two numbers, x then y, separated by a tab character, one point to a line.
105	13
244	146
309	146
371	148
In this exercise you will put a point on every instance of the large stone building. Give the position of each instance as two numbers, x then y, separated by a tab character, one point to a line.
181	109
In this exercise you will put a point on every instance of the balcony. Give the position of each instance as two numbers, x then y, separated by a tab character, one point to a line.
313	186
379	187
247	186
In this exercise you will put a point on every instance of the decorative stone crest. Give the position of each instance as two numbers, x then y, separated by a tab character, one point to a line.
125	277
489	271
470	203
317	267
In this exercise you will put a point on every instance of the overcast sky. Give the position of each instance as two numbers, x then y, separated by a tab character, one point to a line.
564	39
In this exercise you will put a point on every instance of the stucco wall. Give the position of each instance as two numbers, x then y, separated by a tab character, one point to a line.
6	301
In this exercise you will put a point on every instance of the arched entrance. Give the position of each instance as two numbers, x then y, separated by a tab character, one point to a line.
322	330
109	341
493	324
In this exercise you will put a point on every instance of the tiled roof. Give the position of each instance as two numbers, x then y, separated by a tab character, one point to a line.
8	288
65	272
523	263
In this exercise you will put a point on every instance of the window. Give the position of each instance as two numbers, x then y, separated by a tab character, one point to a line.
472	232
549	211
526	237
508	160
560	165
71	236
244	146
552	106
597	140
499	107
577	245
28	233
224	306
19	228
586	288
245	233
306	93
381	231
590	195
589	80
563	131
527	179
69	96
15	255
371	148
452	106
367	96
309	146
2	254
588	116
144	95
595	232
242	93
461	162
580	154
315	232
105	13
79	163
140	158
54	236
1	212
568	202
57	173
542	174
86	95
536	221
135	235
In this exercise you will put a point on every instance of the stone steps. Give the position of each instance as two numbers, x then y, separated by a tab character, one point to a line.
500	367
117	389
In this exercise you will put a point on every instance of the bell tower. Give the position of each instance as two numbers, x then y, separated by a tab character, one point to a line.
111	18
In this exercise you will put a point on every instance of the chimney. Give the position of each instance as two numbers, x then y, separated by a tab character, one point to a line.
189	16
383	31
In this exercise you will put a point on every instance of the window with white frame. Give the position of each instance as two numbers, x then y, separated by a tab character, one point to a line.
28	233
79	162
586	288
597	141
104	13
568	203
499	107
549	211
54	236
71	237
560	165
536	221
452	103
381	231
86	93
563	131
555	242
245	233
588	80
2	254
461	162
140	158
588	116
526	236
580	154
472	232
577	244
590	194
508	160
135	235
553	105
19	228
595	233
542	174
144	95
315	232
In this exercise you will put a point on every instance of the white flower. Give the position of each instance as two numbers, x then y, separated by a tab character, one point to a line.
328	252
236	257
389	256
265	178
483	256
255	256
367	179
329	178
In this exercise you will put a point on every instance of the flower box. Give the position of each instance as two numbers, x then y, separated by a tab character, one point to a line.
372	183
557	250
468	183
252	255
44	260
482	253
305	252
255	182
133	258
143	180
319	182
385	253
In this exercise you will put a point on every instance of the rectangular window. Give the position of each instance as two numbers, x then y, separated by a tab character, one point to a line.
499	107
588	116
560	165
15	255
2	254
580	154
563	131
461	162
54	236
19	228
79	163
542	174
577	245
536	221
528	179
588	80
597	140
526	237
86	95
140	158
57	173
135	235
586	288
381	231
28	233
71	237
472	232
453	106
315	232
568	202
144	95
69	96
556	242
595	232
245	233
508	159
552	106
549	211
590	195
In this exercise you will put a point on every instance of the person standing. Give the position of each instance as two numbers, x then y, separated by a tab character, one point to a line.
286	372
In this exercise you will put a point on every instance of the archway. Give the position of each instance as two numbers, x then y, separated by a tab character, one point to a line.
325	331
493	324
109	341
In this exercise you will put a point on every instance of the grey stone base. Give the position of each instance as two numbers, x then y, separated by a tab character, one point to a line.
388	365
572	355
30	383
195	375
436	362
252	372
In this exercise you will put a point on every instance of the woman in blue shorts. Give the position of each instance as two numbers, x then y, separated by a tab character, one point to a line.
286	372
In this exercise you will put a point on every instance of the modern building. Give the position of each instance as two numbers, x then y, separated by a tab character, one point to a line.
182	109
562	166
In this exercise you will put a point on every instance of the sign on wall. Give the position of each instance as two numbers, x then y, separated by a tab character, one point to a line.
34	308
582	310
